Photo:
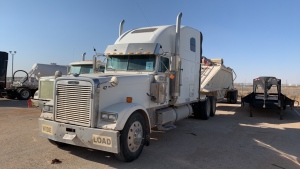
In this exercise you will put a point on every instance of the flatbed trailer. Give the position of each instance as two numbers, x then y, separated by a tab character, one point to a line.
265	99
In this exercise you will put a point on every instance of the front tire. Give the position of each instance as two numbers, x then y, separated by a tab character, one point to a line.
132	138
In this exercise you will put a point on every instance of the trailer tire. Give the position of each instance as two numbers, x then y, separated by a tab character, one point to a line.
132	138
213	104
205	109
234	97
24	94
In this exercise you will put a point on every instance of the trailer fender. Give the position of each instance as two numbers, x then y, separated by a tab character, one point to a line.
123	111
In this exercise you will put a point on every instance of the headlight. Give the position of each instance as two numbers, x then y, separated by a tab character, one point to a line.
48	108
108	116
104	116
112	117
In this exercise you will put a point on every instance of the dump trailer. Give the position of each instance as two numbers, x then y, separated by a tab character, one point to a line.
218	80
267	99
152	79
216	83
3	71
26	87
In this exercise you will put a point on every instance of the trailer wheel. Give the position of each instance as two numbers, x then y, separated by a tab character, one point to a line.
132	138
205	109
24	94
213	106
234	97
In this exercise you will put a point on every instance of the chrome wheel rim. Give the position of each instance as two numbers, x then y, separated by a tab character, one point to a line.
135	136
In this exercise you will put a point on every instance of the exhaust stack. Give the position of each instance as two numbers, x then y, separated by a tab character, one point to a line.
175	67
83	56
121	27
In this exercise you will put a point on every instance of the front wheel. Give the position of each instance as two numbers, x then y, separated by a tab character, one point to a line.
132	138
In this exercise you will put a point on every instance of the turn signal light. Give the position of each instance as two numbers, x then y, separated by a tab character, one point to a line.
128	99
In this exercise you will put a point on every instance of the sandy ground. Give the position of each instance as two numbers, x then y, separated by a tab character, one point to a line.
231	139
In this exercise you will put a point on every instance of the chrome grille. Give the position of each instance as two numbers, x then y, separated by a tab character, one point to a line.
73	104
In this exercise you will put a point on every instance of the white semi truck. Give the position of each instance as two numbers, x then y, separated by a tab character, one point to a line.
152	79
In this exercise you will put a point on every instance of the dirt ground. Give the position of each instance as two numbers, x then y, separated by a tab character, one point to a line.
231	139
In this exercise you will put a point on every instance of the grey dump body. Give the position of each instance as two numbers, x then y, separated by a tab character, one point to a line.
267	99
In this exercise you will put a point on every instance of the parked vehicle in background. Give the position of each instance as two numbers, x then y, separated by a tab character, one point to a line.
45	92
3	70
86	67
26	87
267	99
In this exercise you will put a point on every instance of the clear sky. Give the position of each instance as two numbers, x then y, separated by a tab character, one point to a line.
254	37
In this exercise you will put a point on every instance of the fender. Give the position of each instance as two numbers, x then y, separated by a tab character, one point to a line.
124	110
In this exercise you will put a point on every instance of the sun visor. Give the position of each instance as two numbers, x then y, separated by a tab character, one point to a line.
132	48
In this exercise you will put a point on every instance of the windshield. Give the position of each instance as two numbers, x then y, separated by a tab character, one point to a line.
131	62
81	69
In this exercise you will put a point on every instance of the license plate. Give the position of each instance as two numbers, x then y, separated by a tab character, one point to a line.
69	136
47	129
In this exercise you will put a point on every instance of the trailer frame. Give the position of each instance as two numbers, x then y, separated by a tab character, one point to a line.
265	99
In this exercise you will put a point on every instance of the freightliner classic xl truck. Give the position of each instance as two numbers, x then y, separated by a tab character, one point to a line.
152	79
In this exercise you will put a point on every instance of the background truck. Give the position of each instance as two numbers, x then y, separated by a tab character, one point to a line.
45	92
265	98
87	66
26	87
3	70
152	79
